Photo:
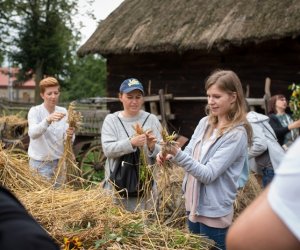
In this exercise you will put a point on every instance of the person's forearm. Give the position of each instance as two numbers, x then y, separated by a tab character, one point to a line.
259	228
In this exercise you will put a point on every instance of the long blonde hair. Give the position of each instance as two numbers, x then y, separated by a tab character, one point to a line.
229	82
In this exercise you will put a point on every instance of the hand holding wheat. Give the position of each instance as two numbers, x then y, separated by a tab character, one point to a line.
169	147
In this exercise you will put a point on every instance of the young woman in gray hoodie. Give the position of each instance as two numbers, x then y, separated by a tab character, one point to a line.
214	158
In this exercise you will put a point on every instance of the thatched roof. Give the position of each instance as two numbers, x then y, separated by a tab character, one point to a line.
141	26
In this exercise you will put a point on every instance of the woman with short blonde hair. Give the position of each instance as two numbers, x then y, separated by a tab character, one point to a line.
47	129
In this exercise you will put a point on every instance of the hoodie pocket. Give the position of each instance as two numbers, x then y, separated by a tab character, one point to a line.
206	200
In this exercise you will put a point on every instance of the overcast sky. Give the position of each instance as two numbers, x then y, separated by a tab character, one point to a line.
101	9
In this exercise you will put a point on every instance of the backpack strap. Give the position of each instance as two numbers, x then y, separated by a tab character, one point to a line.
125	128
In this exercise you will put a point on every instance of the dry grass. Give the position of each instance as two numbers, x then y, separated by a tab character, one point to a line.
91	216
171	210
67	165
15	173
13	126
246	195
11	120
146	171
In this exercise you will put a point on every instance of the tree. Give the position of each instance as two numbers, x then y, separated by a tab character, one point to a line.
6	17
87	78
45	43
46	39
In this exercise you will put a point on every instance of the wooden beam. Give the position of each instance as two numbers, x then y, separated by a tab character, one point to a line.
162	108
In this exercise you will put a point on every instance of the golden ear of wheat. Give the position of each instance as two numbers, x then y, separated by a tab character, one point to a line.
168	141
138	129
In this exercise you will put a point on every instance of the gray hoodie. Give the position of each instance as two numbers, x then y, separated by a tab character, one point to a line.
218	170
264	138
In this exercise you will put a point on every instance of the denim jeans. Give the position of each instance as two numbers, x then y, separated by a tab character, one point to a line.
268	174
47	170
218	235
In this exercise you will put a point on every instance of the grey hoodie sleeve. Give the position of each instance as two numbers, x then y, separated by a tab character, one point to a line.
230	153
259	143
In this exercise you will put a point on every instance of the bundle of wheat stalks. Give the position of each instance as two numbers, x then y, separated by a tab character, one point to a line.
67	165
171	204
146	171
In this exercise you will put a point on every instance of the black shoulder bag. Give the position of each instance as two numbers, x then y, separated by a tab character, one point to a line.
125	176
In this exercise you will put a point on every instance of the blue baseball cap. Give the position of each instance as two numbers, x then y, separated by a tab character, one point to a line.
131	84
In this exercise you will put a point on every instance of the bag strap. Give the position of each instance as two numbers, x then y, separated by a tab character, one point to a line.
145	120
125	128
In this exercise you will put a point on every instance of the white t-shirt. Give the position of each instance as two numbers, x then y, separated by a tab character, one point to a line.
285	190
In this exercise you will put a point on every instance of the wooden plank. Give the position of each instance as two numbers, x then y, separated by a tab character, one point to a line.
162	108
156	98
153	108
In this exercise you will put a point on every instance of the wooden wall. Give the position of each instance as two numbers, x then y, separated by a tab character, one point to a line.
184	74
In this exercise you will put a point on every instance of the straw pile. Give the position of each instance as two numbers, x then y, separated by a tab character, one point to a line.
13	120
13	126
91	217
246	195
15	173
88	216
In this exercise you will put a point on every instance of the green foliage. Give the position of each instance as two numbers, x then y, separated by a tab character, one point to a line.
45	36
87	78
46	39
122	234
294	102
6	25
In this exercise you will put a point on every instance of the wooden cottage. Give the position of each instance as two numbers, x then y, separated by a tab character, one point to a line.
174	45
